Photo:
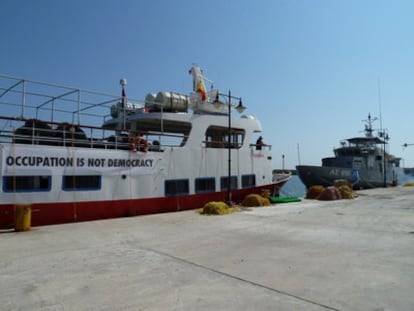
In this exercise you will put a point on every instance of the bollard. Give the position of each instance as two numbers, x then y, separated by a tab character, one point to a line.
22	217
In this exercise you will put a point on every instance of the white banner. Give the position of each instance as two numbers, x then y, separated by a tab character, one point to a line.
47	157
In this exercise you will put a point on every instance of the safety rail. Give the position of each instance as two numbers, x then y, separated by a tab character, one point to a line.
35	112
260	147
38	132
30	99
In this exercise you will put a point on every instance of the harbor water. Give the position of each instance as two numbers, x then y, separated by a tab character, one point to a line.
294	187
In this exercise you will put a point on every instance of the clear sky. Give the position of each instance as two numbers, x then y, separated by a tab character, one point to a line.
310	70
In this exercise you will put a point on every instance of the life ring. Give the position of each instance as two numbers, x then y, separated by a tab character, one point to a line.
138	144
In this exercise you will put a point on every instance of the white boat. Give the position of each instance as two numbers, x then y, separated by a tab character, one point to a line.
75	155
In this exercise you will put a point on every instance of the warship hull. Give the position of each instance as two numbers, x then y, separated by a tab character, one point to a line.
326	176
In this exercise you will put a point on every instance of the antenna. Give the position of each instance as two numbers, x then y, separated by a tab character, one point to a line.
368	125
379	102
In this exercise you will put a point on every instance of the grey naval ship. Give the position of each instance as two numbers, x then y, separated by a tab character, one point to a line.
363	161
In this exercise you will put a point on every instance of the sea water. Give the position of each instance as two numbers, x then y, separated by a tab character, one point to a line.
404	178
293	187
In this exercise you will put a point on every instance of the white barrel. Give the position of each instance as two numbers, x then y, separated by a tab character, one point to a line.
150	102
171	101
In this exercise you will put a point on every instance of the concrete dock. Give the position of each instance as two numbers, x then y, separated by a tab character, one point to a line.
310	255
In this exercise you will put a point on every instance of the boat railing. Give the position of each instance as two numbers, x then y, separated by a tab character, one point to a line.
38	132
61	137
64	112
221	144
29	99
262	147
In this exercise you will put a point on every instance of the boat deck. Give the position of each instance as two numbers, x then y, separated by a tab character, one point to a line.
310	255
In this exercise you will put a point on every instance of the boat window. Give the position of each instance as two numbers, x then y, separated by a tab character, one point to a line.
224	183
176	187
217	137
26	183
165	132
81	182
248	181
205	184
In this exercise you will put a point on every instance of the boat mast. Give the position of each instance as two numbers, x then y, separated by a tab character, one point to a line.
382	132
123	83
368	126
379	102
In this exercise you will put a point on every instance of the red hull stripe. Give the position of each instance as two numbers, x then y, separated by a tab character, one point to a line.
58	213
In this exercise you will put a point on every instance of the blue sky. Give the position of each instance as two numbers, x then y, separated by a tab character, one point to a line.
309	70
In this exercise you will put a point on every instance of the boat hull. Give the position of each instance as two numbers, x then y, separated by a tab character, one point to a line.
59	213
326	176
171	152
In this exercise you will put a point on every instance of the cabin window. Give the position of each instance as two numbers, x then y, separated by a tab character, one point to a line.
176	187
26	183
205	185
218	137
224	182
81	182
248	181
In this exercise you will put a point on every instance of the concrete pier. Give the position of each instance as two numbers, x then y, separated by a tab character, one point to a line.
311	255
